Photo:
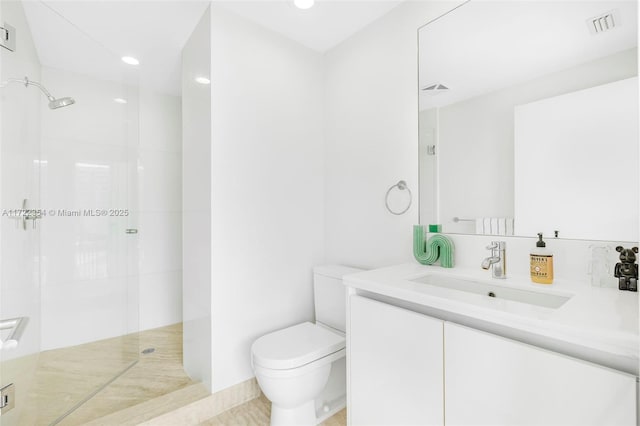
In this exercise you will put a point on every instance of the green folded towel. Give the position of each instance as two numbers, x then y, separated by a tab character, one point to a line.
427	252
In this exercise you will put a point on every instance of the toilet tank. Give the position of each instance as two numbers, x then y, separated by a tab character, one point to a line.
330	294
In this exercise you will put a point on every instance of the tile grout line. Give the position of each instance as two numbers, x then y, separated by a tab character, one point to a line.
92	394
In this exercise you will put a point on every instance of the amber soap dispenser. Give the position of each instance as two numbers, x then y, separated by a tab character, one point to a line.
541	263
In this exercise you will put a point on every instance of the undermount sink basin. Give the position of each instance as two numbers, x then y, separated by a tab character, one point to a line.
546	300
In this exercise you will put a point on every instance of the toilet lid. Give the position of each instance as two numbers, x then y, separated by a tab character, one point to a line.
295	346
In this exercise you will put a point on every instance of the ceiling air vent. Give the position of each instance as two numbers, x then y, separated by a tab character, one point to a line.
435	88
601	23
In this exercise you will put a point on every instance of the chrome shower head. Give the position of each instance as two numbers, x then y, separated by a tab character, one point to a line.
61	102
53	102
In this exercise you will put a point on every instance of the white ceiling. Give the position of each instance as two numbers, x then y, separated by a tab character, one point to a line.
484	46
320	28
89	36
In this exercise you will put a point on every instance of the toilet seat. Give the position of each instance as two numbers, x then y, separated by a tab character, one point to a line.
298	371
296	346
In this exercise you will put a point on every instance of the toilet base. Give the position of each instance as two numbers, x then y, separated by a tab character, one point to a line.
303	415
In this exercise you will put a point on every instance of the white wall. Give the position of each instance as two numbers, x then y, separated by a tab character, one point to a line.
371	127
253	185
196	201
267	183
160	209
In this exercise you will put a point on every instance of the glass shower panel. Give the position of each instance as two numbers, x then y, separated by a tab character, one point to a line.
73	275
19	241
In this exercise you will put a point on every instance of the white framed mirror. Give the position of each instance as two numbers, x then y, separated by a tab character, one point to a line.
529	119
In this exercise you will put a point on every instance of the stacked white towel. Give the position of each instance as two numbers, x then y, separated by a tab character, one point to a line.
494	226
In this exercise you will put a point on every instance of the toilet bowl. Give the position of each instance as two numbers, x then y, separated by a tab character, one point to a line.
301	369
292	367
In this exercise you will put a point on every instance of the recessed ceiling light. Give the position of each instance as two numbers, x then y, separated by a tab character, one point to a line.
304	4
130	60
120	101
203	80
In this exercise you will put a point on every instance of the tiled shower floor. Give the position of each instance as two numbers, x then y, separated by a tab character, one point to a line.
63	377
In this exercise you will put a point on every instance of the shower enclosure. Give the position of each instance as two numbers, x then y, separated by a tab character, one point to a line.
68	218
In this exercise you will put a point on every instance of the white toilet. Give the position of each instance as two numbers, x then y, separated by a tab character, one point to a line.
302	369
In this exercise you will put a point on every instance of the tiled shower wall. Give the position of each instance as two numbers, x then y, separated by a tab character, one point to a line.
160	205
98	281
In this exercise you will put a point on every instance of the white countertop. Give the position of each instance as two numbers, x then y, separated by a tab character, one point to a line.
603	319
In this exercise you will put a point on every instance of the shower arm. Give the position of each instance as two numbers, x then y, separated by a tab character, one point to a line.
28	83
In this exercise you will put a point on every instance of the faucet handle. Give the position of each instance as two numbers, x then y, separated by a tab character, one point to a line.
500	245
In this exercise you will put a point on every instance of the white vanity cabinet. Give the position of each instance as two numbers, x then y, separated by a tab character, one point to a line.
395	365
491	380
406	368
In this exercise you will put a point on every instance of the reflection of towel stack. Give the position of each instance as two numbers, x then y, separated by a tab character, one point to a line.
479	225
494	226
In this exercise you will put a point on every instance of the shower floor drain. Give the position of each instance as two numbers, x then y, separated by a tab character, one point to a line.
148	351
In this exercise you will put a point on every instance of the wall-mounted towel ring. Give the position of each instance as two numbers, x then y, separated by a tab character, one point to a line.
401	185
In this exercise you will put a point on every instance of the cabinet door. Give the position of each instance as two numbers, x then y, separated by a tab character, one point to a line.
490	380
395	365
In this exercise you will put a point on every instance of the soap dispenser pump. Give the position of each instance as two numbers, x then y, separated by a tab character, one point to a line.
541	260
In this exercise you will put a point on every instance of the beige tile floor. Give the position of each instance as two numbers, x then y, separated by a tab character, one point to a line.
64	377
257	412
155	374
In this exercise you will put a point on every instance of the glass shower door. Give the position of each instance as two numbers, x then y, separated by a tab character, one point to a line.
68	260
19	241
89	292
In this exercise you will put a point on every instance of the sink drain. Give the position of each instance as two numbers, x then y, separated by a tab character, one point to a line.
491	294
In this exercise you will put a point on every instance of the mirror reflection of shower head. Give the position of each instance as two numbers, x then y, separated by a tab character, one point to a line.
53	102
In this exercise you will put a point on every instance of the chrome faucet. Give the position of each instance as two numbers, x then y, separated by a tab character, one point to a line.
496	261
